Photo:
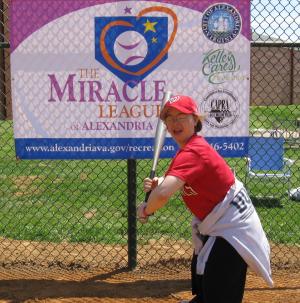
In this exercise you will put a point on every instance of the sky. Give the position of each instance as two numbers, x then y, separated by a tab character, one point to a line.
276	18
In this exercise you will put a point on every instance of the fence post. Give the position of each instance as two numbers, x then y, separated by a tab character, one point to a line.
131	189
292	77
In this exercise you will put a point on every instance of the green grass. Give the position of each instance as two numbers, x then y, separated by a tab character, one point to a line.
86	201
270	117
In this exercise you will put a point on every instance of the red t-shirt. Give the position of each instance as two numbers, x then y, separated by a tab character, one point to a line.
206	175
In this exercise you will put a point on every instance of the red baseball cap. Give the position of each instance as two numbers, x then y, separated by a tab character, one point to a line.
182	103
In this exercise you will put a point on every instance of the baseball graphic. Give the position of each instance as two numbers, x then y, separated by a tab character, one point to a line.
130	48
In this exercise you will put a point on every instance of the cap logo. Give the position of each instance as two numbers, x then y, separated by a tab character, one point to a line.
174	99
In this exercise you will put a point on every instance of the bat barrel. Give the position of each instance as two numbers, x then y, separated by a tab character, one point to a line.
160	135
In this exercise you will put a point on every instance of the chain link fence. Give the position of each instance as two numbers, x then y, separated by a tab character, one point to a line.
81	214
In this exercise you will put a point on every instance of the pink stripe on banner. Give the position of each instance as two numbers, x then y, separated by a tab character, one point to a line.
27	16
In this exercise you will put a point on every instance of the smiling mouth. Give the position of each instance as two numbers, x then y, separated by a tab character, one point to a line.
177	132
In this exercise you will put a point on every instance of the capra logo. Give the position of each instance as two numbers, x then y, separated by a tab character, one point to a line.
132	47
221	23
221	108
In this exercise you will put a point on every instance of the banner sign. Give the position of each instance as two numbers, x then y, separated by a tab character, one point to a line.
88	77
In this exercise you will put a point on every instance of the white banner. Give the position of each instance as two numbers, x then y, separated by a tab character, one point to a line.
88	78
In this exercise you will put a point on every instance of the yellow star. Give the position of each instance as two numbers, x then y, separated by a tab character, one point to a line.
149	26
154	40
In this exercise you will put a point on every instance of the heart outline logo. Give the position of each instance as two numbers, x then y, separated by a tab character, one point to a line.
110	61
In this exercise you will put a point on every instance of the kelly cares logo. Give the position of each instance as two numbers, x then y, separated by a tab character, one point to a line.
221	108
219	65
131	47
221	23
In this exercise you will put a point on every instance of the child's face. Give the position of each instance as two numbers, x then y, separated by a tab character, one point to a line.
181	126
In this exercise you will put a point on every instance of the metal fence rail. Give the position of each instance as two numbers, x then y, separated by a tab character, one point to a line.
81	214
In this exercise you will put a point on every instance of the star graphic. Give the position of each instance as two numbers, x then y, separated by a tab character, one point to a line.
154	40
149	26
127	10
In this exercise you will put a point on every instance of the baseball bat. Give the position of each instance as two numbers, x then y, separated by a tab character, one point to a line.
160	135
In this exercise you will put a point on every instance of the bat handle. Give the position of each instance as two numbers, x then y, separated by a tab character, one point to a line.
147	195
152	175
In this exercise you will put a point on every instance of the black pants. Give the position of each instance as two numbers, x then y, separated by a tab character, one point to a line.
224	276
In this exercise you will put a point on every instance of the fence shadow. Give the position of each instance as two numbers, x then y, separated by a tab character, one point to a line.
98	286
268	202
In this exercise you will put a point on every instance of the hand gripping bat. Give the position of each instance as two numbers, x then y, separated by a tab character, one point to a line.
160	135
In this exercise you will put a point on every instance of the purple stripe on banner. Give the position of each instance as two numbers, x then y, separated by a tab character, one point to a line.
243	6
27	16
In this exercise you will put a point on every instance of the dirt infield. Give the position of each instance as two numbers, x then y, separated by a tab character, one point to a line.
40	285
47	272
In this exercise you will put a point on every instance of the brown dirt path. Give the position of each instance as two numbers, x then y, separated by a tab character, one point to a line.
57	286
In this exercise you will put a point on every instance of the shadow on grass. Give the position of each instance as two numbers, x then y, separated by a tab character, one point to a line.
268	202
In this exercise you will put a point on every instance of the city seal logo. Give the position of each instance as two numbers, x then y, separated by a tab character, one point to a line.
221	23
221	108
131	47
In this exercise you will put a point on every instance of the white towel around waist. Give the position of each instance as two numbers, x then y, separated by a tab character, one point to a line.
234	219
